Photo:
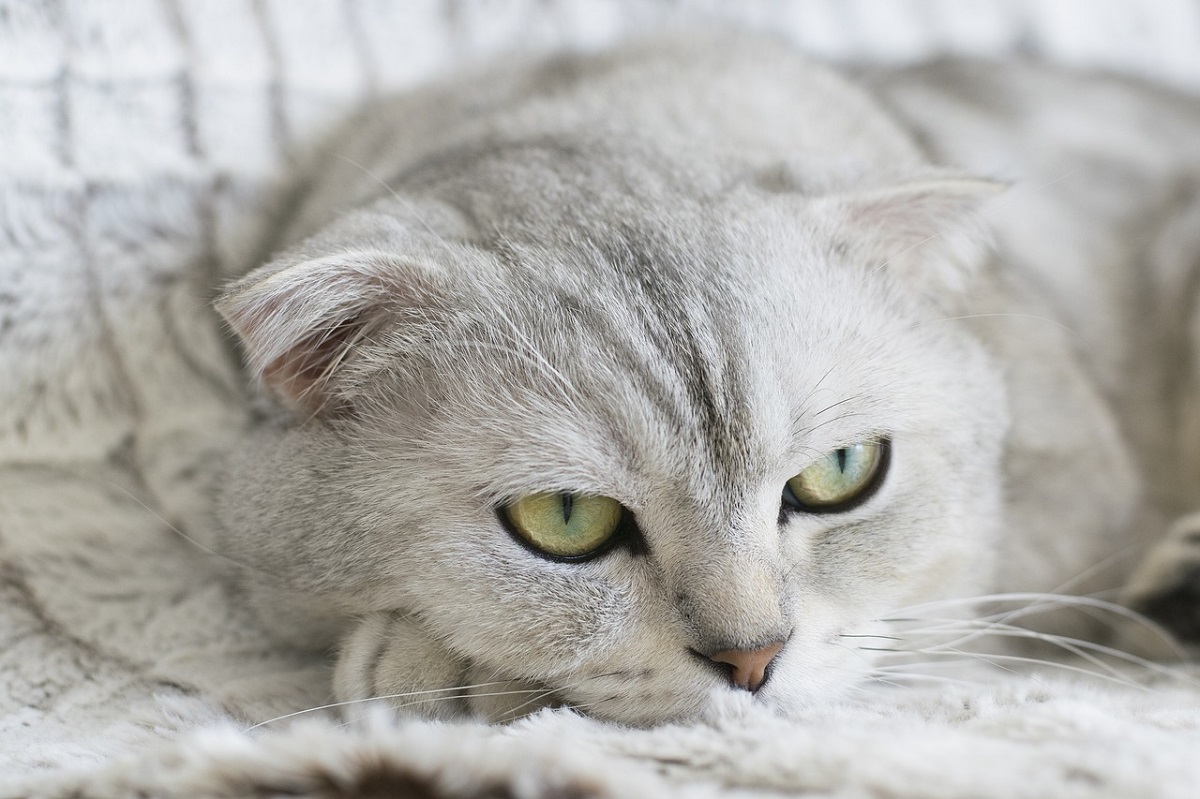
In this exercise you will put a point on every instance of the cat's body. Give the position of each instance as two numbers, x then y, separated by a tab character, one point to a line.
680	276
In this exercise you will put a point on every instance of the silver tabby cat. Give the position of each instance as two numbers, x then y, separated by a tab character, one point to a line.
639	382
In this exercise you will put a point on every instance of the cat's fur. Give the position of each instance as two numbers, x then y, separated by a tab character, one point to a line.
675	275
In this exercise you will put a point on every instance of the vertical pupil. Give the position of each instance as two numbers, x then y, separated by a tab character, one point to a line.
841	459
568	502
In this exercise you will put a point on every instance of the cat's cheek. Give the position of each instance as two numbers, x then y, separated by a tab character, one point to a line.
523	616
851	569
903	557
927	533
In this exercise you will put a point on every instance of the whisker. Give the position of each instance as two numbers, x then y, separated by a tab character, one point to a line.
541	692
583	706
187	537
1039	602
383	697
877	679
515	713
918	677
406	202
990	659
994	658
923	664
1079	647
431	700
1034	317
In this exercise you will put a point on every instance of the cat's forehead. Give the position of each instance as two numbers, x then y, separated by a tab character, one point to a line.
706	362
645	316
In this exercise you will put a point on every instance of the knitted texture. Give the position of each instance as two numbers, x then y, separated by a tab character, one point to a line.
142	145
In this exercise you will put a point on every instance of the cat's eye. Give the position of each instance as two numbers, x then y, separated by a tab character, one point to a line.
571	526
839	480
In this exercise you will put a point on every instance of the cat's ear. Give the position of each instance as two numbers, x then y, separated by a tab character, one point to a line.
300	321
929	231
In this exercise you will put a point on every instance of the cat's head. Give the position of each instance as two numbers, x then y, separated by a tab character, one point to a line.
628	439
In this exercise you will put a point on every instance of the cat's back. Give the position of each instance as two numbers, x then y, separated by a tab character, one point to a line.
1095	163
1008	117
1097	237
1104	175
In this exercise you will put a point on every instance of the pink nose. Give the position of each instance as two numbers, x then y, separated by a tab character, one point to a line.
749	665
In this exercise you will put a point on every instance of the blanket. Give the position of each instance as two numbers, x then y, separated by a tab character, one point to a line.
142	146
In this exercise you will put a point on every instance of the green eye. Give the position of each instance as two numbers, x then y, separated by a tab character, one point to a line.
839	480
564	525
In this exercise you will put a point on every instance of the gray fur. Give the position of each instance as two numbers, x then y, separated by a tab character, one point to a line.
675	275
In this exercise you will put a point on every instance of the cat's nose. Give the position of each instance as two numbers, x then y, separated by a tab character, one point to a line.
749	665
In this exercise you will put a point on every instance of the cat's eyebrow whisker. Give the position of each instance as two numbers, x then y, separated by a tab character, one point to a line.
808	431
831	406
568	389
531	355
820	381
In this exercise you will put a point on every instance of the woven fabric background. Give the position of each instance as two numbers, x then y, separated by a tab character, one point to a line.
141	145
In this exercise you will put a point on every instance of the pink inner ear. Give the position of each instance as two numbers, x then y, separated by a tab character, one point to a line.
300	375
913	216
301	322
929	231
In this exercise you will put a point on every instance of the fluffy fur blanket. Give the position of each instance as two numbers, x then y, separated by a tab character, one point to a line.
140	142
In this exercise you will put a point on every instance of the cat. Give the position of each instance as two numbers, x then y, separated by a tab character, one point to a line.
644	382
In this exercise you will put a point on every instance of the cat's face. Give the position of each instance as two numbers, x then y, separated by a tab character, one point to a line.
573	454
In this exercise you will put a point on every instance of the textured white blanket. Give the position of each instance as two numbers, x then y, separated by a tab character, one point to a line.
140	142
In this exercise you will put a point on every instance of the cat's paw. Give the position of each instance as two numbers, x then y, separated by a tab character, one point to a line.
392	657
1166	586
